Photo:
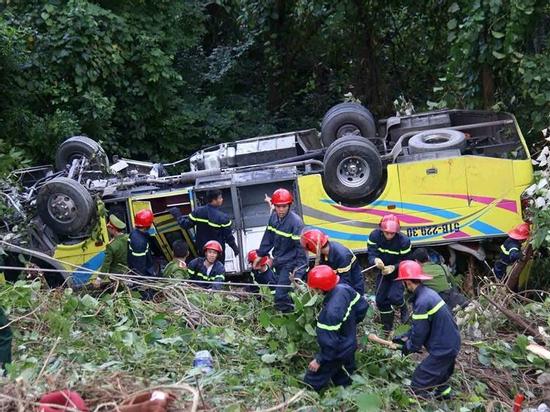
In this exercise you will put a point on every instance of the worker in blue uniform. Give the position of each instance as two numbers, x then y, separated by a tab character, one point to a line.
140	259
262	274
335	255
211	223
510	250
336	329
434	328
282	235
387	247
208	268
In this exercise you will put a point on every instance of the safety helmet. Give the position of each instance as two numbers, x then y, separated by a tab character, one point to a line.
281	197
322	277
390	223
214	245
520	232
144	219
253	254
312	239
411	270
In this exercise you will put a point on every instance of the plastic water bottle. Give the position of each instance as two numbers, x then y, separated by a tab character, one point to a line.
203	360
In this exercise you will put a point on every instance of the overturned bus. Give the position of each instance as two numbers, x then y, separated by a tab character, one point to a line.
453	177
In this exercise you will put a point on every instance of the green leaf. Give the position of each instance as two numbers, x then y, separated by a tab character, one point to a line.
312	301
497	34
454	8
265	319
89	302
498	55
451	25
269	358
310	331
368	402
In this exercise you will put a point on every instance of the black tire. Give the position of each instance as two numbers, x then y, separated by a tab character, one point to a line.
346	118
435	140
65	206
352	169
77	147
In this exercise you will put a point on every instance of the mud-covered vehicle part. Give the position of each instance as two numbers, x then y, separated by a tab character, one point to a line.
65	206
77	147
347	119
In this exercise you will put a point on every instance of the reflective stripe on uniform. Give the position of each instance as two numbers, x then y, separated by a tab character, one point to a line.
284	234
393	252
337	326
137	253
385	311
405	251
208	222
370	242
348	267
205	277
420	316
507	252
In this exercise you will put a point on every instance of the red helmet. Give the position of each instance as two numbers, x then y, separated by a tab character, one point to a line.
214	245
65	399
411	270
322	277
390	223
144	219
253	254
520	232
281	197
311	239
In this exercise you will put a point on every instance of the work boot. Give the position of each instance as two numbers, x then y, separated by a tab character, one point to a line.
387	321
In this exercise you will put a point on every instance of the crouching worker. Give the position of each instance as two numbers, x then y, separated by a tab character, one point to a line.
177	268
208	268
337	256
510	250
261	274
433	327
336	329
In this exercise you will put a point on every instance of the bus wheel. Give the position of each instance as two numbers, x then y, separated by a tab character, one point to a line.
77	147
345	119
352	169
65	206
437	139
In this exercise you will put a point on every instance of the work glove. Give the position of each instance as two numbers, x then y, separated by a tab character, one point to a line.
379	263
176	212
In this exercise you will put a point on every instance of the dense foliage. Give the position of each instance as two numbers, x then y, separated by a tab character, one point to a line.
160	79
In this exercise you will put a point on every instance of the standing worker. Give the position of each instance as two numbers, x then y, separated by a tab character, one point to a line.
335	255
283	236
510	250
336	329
116	251
208	268
433	327
140	259
211	222
387	246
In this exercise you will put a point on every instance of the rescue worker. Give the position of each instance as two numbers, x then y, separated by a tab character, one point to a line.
387	246
282	235
336	329
177	268
440	279
5	342
211	222
262	274
116	251
434	328
510	250
335	255
208	268
140	259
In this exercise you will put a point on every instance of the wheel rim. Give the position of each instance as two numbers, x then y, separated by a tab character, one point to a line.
436	138
62	208
353	171
347	128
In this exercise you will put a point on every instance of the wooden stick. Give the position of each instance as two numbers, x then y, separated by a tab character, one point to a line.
373	338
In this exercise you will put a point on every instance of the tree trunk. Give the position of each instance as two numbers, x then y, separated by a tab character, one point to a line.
488	84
